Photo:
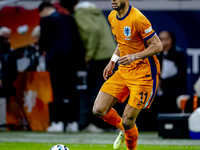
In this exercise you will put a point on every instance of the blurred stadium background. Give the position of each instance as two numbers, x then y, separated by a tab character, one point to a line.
180	16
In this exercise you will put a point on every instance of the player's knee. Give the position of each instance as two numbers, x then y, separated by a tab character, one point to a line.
127	123
98	111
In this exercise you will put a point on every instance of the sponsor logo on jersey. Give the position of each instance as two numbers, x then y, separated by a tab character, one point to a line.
148	30
127	31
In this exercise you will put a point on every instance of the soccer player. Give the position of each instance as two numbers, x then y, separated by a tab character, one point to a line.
137	76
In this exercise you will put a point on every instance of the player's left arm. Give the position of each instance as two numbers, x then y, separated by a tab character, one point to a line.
146	32
155	46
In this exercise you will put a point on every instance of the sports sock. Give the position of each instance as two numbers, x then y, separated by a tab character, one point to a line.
113	118
120	126
131	137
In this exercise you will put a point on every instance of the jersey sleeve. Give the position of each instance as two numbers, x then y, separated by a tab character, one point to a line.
144	28
110	16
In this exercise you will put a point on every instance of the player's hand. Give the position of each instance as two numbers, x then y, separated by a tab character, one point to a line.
108	70
127	59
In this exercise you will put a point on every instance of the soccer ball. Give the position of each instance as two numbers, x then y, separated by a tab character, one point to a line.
59	147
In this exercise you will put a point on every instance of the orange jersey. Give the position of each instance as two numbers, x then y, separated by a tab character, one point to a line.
138	80
131	32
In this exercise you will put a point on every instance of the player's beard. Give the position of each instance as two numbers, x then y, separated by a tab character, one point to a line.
122	5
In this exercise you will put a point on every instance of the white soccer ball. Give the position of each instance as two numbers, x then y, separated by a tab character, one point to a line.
59	147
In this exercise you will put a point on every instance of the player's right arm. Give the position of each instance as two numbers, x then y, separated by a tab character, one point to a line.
109	68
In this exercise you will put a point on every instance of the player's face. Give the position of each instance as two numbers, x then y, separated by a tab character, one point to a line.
118	4
166	40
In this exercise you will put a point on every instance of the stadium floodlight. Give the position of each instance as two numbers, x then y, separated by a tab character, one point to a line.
5	2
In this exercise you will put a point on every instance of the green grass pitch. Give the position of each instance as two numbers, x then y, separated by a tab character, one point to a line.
14	140
47	146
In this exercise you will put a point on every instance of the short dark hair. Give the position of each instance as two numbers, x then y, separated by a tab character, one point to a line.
68	4
173	37
44	5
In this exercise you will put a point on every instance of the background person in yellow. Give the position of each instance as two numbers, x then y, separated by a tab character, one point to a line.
97	38
137	75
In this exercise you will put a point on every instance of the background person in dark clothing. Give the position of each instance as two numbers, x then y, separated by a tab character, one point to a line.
60	39
8	73
173	78
8	67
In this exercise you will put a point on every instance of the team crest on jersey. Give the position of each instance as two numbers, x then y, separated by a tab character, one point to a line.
127	31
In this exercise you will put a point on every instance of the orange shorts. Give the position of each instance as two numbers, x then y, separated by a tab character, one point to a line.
141	92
